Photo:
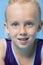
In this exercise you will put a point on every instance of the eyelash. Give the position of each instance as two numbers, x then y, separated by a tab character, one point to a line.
15	24
29	23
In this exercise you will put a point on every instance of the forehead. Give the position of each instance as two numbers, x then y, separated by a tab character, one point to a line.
20	11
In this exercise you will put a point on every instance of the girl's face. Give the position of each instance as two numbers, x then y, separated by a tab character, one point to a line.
22	24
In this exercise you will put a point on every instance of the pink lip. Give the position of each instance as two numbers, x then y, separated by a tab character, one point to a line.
23	39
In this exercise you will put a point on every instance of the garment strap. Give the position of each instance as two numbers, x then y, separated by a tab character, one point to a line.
37	60
9	58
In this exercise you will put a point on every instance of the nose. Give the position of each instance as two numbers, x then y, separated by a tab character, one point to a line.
23	34
23	31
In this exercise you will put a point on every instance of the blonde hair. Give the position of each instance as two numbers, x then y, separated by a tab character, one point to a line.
12	1
35	3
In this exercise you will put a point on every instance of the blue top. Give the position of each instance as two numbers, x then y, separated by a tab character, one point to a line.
11	60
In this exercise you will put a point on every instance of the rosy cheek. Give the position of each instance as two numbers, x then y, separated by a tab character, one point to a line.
31	31
15	32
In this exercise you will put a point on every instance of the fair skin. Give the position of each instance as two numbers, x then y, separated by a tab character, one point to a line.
2	52
42	61
22	25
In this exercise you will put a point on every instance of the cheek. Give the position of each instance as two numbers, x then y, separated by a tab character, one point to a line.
31	30
13	32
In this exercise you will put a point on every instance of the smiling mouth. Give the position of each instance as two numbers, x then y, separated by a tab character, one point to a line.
23	39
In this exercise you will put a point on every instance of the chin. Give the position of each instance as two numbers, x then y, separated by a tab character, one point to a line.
27	45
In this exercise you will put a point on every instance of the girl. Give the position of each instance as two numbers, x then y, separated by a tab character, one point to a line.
23	21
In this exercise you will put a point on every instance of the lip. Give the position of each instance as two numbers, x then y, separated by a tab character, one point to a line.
23	39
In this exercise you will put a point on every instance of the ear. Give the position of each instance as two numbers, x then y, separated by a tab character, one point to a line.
40	26
6	27
42	23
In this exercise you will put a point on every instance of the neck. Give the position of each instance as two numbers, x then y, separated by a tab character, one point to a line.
28	52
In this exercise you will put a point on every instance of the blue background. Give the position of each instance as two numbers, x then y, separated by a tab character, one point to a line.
3	4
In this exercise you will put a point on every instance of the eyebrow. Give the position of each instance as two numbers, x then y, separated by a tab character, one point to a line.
29	21
25	22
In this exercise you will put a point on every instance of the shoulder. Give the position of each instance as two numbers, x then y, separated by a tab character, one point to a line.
42	52
42	58
1	42
2	48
